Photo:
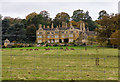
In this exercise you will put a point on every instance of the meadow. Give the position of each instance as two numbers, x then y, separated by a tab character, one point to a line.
60	63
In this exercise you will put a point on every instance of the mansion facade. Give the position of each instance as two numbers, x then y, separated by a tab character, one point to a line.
62	34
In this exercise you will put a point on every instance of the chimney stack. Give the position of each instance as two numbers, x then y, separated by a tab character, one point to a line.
81	26
44	26
71	24
59	25
48	27
87	29
52	26
66	25
63	24
40	26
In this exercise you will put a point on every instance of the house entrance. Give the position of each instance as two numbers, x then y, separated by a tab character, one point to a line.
60	41
66	40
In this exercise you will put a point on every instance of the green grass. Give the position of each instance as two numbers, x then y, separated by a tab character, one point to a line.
59	64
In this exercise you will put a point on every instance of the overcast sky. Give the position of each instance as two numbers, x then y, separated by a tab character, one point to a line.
22	8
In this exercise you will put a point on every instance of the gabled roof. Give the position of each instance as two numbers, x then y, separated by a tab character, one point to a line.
61	28
49	29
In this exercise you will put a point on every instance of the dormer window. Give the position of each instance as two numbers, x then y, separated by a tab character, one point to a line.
56	32
48	36
52	36
63	36
71	31
71	35
71	28
40	33
52	32
62	32
48	32
40	28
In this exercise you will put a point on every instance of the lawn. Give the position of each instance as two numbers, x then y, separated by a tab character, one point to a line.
59	64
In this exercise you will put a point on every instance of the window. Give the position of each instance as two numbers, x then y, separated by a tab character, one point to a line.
70	40
71	35
56	32
52	32
52	36
39	36
48	32
39	41
39	32
62	32
48	41
52	41
56	36
48	36
56	40
71	31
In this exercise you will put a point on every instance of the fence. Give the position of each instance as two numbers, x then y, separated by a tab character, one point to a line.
60	63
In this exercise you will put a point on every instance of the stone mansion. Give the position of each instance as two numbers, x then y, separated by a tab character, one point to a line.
62	34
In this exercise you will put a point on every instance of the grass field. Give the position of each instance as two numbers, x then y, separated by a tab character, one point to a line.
59	64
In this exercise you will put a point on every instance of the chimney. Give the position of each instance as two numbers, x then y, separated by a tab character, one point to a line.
52	26
87	29
59	25
63	24
40	26
81	26
66	25
44	26
71	24
48	27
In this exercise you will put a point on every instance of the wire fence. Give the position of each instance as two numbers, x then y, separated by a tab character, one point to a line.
60	63
86	62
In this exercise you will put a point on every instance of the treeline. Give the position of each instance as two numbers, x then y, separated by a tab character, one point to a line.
108	31
24	30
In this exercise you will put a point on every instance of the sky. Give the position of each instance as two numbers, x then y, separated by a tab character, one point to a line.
21	8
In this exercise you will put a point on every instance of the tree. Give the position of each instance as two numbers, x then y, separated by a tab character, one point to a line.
0	22
38	19
16	32
0	16
0	26
5	26
31	15
102	13
86	16
46	18
78	15
107	26
13	20
115	38
45	14
31	33
89	22
61	17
